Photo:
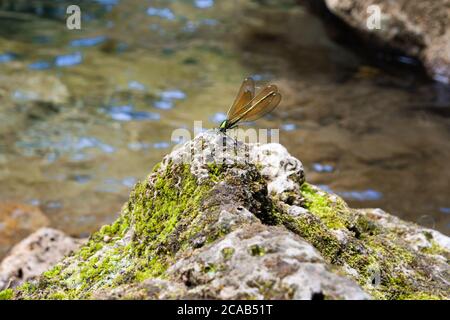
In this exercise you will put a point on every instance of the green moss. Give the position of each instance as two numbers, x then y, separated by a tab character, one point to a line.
256	250
365	227
117	229
26	289
164	219
153	269
227	253
53	272
428	235
436	249
215	171
270	290
87	251
210	269
315	232
388	260
320	204
6	294
58	296
420	296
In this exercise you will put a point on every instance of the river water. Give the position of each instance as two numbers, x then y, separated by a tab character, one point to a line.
86	113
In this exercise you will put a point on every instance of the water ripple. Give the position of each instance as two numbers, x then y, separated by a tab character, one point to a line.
318	167
288	127
88	42
7	57
218	117
68	60
366	195
127	113
204	4
164	13
40	65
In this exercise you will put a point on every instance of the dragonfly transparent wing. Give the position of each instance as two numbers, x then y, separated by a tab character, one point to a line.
264	107
243	98
266	100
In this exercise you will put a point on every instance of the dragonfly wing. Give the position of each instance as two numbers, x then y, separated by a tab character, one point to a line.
266	100
264	107
244	96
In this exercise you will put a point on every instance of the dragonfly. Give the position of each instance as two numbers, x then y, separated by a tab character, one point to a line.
248	107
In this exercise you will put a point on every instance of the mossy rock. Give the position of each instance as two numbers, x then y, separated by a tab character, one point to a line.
185	209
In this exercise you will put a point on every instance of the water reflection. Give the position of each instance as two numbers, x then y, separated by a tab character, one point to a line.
218	117
365	195
136	85
40	65
167	98
164	13
288	126
203	4
138	146
7	57
127	113
68	60
318	167
88	42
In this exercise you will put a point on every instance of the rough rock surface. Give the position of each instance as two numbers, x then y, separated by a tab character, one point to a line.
259	261
34	255
241	222
255	261
419	28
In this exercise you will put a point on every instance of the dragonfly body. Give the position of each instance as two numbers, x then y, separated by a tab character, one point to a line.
248	107
225	125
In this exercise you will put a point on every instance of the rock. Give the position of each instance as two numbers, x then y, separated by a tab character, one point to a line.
256	261
418	28
16	222
34	255
262	262
148	289
239	221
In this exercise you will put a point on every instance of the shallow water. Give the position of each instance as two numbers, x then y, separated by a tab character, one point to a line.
86	113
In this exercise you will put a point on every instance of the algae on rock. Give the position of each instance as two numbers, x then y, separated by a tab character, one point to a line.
245	224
